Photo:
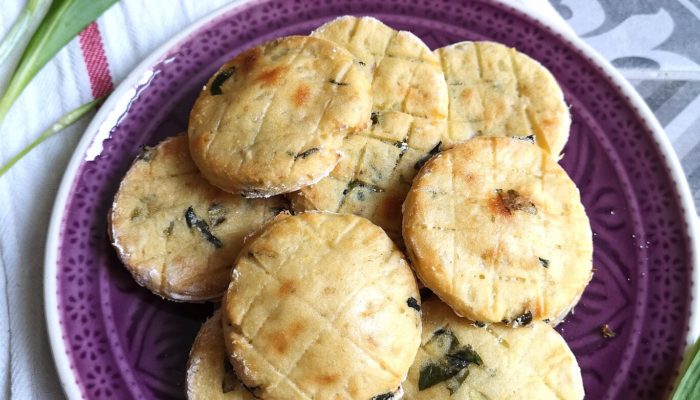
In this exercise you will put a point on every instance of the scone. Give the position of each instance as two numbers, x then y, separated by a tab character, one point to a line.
498	91
459	360
496	228
177	234
321	306
273	119
210	376
409	124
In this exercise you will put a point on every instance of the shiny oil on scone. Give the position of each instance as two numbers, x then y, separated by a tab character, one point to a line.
409	124
177	234
210	376
460	360
273	119
321	306
496	228
495	90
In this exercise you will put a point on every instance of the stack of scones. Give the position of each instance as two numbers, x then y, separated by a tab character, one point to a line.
377	221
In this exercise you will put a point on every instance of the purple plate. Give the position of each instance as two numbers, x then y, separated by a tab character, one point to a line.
113	339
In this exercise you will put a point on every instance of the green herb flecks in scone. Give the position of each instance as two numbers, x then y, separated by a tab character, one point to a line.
408	124
306	153
219	80
193	221
463	360
177	234
273	118
496	228
450	365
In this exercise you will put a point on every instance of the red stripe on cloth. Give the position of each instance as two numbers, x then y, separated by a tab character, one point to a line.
96	61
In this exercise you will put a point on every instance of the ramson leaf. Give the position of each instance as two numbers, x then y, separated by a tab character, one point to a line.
63	21
451	366
31	12
689	387
64	122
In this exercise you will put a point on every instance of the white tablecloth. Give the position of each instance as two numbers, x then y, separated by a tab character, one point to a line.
129	31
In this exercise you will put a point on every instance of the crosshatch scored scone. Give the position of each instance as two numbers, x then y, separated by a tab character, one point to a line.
176	233
498	91
496	228
273	119
321	306
210	376
409	124
462	360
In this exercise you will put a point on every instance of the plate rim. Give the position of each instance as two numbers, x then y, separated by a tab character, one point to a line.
67	377
54	329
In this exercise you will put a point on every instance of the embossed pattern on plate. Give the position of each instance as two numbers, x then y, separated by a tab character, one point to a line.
124	342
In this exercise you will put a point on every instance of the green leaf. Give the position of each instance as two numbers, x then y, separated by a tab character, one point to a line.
689	387
452	363
21	26
64	122
63	21
220	79
193	221
433	373
465	356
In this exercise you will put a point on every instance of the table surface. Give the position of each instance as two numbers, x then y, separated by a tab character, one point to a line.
656	46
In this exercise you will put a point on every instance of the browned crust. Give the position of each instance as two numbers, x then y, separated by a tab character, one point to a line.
488	261
275	126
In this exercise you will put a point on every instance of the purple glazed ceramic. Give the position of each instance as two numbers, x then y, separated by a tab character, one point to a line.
114	339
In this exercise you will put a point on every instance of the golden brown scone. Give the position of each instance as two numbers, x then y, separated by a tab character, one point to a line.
177	234
495	90
273	119
496	228
210	376
321	306
409	124
459	360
